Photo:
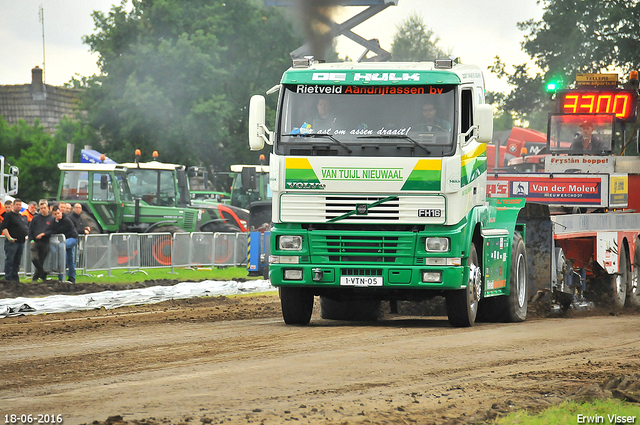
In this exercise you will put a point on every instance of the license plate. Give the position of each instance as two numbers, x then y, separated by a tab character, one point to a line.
361	280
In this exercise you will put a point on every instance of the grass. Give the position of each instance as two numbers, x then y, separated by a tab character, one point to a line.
567	413
181	274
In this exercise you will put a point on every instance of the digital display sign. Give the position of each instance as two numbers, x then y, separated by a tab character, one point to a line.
622	103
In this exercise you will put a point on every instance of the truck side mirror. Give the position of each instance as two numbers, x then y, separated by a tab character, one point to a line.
257	129
484	121
13	185
13	170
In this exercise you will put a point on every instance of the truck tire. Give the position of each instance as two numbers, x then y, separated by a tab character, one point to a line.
462	304
514	306
633	290
352	310
297	305
620	281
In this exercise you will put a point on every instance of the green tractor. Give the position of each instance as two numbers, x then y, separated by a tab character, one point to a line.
159	204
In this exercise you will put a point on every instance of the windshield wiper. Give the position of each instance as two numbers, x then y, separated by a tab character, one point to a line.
324	135
398	136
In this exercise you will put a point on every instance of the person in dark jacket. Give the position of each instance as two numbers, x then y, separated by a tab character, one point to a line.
39	234
14	228
76	218
64	226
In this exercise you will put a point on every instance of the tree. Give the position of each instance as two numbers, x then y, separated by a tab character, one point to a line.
414	41
574	36
177	75
36	154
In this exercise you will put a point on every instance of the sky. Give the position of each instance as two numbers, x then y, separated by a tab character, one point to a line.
476	31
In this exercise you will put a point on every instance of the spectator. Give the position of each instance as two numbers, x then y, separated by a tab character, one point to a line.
30	211
5	208
76	218
64	226
39	234
14	229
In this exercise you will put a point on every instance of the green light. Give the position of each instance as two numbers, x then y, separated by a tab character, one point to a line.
552	86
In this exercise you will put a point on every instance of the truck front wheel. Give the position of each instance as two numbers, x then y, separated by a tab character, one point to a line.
297	305
462	305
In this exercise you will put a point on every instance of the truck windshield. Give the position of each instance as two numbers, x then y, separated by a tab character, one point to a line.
123	187
581	134
155	187
380	120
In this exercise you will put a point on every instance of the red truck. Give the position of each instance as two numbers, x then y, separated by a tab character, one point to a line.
511	144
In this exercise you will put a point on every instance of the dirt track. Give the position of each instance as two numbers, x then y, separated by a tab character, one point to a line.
223	360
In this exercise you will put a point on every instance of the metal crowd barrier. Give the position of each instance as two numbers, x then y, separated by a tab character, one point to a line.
138	251
55	264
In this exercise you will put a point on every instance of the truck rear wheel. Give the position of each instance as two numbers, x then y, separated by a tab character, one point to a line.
633	290
462	305
353	310
514	306
620	281
297	305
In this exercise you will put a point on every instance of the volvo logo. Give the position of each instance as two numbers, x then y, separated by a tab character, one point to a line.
361	209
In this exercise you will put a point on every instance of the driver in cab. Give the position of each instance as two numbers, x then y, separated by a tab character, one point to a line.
585	140
431	121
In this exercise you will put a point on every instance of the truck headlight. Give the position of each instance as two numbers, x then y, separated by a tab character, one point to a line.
437	244
290	243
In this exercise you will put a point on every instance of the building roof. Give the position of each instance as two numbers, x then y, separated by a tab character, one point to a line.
37	100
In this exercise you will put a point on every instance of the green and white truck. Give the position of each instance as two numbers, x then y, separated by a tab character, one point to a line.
376	199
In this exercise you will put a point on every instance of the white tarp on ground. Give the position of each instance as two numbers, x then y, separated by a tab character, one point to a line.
113	299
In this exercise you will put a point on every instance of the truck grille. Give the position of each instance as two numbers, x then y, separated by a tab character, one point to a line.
402	209
365	248
361	272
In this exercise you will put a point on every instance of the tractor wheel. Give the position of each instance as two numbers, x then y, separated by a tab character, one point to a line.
462	305
220	227
514	306
297	305
90	222
161	248
352	310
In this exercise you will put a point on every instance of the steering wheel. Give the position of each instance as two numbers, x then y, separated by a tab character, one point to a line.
424	127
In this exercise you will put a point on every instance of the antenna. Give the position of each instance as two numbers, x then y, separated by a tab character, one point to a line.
41	18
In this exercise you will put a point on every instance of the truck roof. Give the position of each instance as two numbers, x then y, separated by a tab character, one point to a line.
381	73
